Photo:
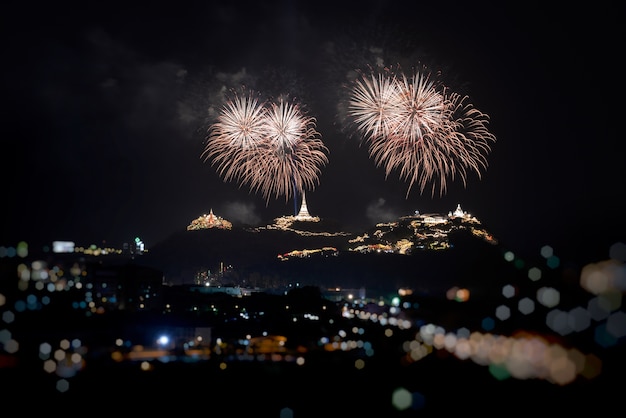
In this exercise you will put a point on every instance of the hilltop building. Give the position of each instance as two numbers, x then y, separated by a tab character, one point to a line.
460	213
209	221
303	214
285	222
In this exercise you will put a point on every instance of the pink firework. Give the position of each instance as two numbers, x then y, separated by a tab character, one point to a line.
372	105
273	148
234	139
416	127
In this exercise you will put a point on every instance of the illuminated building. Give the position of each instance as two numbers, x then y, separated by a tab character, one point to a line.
303	214
209	221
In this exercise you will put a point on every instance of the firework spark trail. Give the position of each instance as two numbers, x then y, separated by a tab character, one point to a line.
373	104
273	148
236	136
415	126
293	152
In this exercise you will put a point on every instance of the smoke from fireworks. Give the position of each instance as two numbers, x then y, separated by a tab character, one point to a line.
417	127
273	148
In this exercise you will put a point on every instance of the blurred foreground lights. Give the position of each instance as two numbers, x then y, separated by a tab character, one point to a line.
508	291
526	306
533	357
59	354
564	323
604	338
604	276
8	317
616	324
618	252
559	322
548	297
22	249
503	312
547	251
522	356
488	323
63	385
11	346
534	274
553	262
402	399
462	295
44	351
599	308
579	319
49	366
286	413
5	336
416	350
69	366
611	332
458	294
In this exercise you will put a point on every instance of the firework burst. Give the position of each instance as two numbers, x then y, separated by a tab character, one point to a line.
415	126
273	148
236	136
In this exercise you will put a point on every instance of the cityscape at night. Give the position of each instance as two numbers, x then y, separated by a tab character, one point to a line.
80	322
299	209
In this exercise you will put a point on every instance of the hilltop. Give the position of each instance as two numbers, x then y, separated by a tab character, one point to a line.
425	251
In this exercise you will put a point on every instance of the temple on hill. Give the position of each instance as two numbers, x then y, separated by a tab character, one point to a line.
285	222
458	213
209	221
303	214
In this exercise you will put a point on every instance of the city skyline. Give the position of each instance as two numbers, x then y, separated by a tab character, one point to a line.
110	112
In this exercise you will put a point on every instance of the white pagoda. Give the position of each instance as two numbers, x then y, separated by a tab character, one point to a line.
304	214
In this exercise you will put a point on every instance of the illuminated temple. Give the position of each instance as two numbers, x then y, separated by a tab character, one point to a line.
286	222
303	214
209	221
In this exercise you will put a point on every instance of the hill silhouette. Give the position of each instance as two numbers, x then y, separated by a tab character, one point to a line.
252	258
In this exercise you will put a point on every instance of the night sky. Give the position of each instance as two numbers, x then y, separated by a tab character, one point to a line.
106	106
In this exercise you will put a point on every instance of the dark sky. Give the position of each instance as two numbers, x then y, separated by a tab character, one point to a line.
106	106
